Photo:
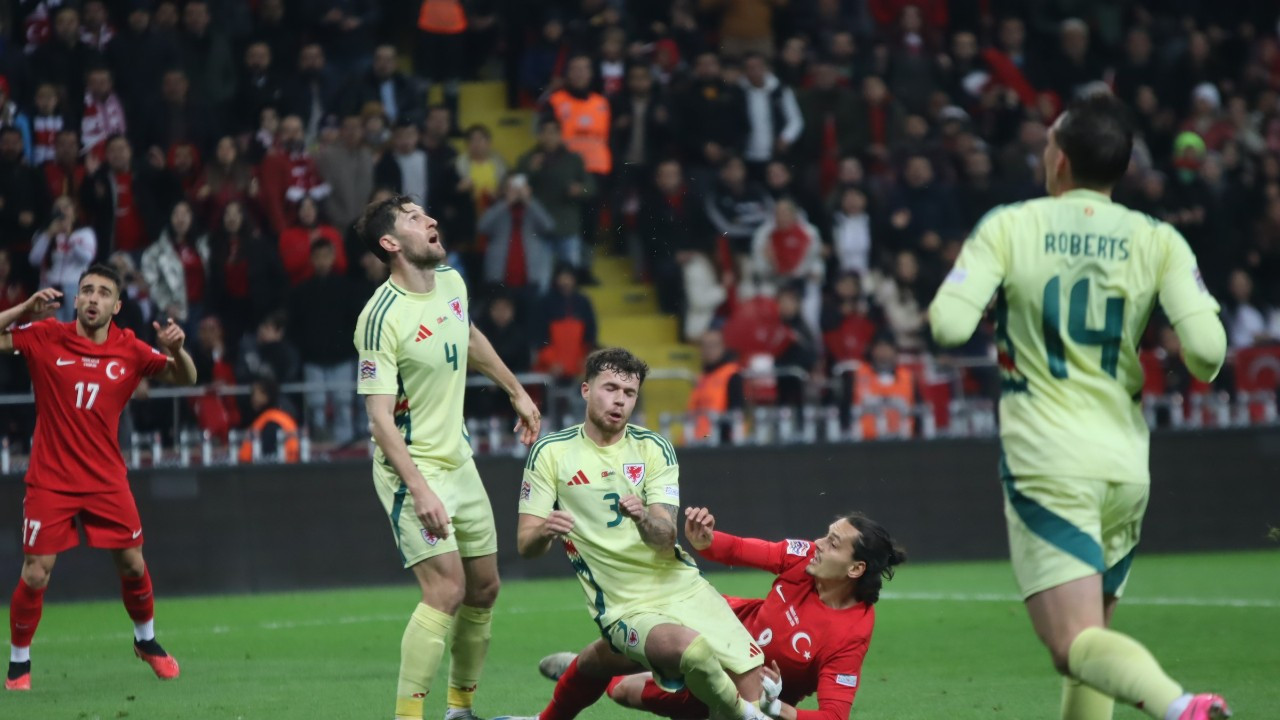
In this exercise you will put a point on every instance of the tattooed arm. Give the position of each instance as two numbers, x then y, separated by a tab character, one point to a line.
657	522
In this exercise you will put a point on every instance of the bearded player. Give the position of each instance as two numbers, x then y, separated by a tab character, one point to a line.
814	625
1075	277
416	342
610	490
83	373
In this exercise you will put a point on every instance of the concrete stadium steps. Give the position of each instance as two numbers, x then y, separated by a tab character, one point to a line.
485	103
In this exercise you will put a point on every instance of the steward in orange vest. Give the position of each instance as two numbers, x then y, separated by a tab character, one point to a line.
265	400
883	379
442	17
719	387
584	118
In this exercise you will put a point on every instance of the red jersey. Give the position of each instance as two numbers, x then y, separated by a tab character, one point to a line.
817	648
81	389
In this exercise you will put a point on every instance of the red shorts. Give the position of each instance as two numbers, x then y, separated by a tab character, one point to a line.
110	520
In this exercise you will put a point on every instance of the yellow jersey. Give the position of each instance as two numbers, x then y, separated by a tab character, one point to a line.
618	571
1075	279
414	346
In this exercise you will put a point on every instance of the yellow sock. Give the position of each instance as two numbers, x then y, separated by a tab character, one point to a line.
1081	702
1119	666
469	647
421	651
709	682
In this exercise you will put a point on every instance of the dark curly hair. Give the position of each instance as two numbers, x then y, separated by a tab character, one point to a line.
877	549
618	360
379	219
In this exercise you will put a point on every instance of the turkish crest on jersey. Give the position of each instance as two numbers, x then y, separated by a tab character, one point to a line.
634	472
456	305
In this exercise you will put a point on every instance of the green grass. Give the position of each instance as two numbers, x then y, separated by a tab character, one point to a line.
952	642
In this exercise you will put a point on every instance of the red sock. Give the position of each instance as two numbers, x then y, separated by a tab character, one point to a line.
574	693
680	705
24	613
138	598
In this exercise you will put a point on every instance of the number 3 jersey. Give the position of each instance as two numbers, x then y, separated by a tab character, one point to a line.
81	389
414	346
1075	279
619	573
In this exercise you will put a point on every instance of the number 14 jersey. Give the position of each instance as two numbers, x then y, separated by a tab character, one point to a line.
1075	279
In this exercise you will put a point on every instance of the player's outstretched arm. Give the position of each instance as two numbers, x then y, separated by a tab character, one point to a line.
181	369
482	357
46	299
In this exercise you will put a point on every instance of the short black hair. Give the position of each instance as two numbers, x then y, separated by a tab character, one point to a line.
618	360
877	549
379	219
105	271
1096	135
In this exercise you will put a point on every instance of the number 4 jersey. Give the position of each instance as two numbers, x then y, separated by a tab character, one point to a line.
414	346
81	389
1075	279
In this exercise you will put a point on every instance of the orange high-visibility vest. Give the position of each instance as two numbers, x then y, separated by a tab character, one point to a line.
869	386
287	425
442	17
584	125
711	395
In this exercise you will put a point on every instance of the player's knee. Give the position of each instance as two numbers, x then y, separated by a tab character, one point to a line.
627	691
446	596
484	593
1061	659
36	572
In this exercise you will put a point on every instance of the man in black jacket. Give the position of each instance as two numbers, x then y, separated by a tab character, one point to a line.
23	200
323	309
710	117
398	93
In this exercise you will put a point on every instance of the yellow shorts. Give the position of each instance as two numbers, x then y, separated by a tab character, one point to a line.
704	611
472	532
1064	529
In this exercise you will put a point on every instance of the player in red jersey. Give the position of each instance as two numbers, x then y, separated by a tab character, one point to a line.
814	624
83	373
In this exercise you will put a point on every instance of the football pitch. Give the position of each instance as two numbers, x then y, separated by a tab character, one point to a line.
951	641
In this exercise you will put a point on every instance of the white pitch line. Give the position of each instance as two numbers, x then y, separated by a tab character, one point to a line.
274	625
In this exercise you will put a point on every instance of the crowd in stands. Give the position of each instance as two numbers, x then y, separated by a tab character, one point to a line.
794	177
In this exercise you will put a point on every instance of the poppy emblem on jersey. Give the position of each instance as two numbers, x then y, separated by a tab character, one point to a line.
430	537
368	370
634	472
580	478
456	306
633	638
115	370
423	333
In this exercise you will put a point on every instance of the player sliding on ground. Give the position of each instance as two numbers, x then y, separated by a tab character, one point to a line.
83	373
416	342
1075	277
611	492
814	624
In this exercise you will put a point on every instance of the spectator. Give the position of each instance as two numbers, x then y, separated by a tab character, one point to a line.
923	213
296	243
448	201
96	32
980	192
404	167
12	292
22	194
886	390
176	267
674	233
540	68
786	250
611	64
511	342
745	26
205	56
773	117
273	427
1020	162
312	92
267	353
560	182
179	115
121	197
566	330
711	117
103	113
851	233
847	327
736	207
62	251
63	60
348	167
1246	324
385	84
226	180
441	47
289	174
585	125
346	30
830	113
184	168
279	31
137	310
640	131
781	185
518	256
1138	68
480	168
719	388
323	309
48	121
246	279
139	56
901	300
259	86
880	121
12	116
792	67
803	350
213	359
64	173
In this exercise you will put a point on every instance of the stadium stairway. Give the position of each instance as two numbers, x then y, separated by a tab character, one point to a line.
627	311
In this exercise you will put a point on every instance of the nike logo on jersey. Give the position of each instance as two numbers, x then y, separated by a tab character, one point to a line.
62	362
579	479
136	533
778	589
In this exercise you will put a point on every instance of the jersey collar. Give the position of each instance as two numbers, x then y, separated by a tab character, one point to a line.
1087	193
411	295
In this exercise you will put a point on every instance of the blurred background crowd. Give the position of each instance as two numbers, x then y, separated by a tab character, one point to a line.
789	180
